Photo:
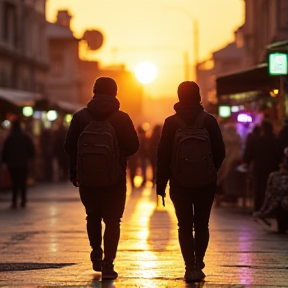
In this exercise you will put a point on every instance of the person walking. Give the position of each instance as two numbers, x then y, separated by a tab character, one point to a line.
143	154
18	149
192	205
103	202
263	155
152	150
276	196
59	153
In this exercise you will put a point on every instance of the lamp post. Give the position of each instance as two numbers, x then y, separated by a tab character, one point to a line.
194	23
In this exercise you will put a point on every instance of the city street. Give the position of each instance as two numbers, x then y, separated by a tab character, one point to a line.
45	245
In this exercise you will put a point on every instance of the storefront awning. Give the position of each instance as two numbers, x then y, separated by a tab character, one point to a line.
69	107
253	79
19	98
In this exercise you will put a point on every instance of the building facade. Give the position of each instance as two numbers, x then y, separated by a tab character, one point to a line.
23	53
247	84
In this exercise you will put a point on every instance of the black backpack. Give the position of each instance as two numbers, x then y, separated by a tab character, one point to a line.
98	154
192	161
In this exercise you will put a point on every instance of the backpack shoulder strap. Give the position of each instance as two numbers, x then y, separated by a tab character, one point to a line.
88	116
179	121
200	119
111	116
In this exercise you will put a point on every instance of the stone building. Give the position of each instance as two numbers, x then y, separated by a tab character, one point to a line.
23	54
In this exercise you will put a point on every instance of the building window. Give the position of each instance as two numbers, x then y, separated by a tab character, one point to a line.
57	63
9	24
282	14
3	79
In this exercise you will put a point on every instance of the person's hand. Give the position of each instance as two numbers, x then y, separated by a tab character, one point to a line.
160	190
75	182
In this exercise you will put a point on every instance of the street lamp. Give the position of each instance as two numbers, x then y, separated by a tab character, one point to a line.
195	33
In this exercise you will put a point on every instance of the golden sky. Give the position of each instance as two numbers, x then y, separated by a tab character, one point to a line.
159	31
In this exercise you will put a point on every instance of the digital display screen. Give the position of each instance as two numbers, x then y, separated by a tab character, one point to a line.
278	63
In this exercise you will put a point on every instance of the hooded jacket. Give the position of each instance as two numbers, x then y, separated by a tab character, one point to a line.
188	112
99	108
18	148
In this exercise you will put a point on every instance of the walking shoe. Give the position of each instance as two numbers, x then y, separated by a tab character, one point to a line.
193	274
97	265
96	259
108	272
200	265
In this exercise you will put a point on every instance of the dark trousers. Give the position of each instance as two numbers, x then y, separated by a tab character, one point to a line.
261	183
105	204
282	219
193	208
18	179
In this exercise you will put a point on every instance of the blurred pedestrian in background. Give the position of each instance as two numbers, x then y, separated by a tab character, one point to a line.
152	150
227	175
142	154
263	153
59	153
282	141
46	148
18	149
276	196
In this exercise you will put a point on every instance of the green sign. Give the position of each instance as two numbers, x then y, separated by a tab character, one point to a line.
224	111
278	63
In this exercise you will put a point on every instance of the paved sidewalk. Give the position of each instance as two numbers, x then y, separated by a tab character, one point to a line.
45	245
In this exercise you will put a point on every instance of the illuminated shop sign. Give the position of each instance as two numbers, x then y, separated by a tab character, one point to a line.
278	63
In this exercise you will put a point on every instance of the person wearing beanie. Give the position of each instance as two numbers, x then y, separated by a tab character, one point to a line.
192	205
103	203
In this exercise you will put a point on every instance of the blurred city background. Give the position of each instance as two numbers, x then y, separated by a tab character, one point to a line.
52	51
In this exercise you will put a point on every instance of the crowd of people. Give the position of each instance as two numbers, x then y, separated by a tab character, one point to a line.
259	156
26	158
145	157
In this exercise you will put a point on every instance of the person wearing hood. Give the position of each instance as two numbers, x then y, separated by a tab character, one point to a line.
18	150
103	203
192	205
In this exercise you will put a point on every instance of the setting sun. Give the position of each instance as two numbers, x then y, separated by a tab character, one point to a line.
145	72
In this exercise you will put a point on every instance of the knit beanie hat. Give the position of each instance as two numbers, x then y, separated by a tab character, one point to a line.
189	91
106	86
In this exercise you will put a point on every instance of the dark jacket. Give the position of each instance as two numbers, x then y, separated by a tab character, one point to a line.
188	113
100	107
18	148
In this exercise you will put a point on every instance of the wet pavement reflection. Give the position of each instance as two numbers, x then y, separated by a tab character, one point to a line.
45	245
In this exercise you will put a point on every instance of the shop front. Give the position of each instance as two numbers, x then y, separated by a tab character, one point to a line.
259	90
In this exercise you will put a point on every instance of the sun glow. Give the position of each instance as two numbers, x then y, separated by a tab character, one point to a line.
145	72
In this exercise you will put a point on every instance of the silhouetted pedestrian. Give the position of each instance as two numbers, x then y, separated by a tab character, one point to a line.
276	196
227	175
46	148
142	154
282	141
59	153
18	149
192	205
102	202
264	156
132	167
152	149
